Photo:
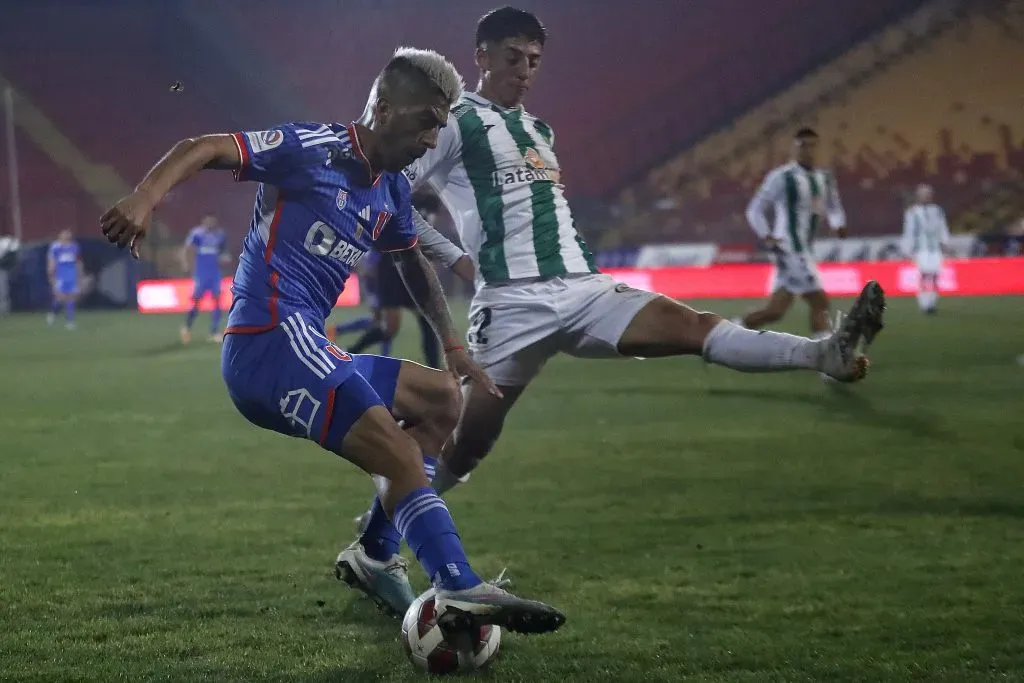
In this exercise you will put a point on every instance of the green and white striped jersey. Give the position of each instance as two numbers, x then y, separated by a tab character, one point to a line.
798	197
496	171
924	229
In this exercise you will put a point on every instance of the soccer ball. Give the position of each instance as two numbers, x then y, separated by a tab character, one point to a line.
428	650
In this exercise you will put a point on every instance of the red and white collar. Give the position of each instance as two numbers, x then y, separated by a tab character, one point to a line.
357	147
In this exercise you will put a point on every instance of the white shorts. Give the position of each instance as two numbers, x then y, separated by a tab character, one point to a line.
515	328
929	262
797	273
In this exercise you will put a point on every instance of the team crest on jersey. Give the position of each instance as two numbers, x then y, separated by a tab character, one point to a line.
338	353
342	199
382	220
533	159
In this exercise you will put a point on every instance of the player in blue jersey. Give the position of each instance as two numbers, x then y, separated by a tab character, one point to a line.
64	270
393	298
329	193
203	253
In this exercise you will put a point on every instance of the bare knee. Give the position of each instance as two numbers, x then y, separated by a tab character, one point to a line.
448	406
706	322
377	445
666	328
441	405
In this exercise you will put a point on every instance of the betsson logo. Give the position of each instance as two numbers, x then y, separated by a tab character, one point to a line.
321	240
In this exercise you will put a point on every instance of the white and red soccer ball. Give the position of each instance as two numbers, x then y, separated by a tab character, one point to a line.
429	651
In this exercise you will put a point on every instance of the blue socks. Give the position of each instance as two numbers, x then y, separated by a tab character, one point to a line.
357	325
381	539
423	519
215	320
69	311
214	317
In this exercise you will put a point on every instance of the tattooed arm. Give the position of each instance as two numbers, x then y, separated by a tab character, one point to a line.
424	287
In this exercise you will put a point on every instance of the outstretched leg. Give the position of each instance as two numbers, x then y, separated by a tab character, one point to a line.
667	328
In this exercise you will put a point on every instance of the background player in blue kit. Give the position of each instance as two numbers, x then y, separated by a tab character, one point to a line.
203	253
329	193
367	271
64	270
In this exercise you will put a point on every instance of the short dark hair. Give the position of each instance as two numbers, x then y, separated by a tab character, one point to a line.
509	22
805	133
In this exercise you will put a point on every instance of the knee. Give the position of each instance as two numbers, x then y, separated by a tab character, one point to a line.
707	321
448	406
402	459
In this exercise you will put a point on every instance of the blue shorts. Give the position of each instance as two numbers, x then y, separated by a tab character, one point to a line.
204	286
294	381
66	286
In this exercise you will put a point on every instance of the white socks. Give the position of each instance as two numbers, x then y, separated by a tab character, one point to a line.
745	350
927	299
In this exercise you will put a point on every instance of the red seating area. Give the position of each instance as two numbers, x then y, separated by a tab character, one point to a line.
51	199
949	114
105	75
104	81
617	97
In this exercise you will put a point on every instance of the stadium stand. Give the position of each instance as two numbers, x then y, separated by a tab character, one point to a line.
916	102
134	118
632	116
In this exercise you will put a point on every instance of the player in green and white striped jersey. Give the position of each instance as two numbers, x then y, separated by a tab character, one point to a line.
925	237
537	290
802	197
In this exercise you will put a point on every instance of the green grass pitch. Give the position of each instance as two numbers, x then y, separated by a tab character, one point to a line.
694	524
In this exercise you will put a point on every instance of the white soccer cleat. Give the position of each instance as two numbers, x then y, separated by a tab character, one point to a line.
386	583
488	603
842	358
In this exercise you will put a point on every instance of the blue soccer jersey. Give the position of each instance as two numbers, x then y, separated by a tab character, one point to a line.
64	257
319	209
208	245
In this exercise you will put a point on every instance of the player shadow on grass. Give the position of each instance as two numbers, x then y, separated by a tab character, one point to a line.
848	403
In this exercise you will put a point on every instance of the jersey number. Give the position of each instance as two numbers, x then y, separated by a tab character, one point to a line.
478	327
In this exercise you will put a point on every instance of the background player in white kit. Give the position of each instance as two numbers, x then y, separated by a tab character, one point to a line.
925	238
538	292
802	197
